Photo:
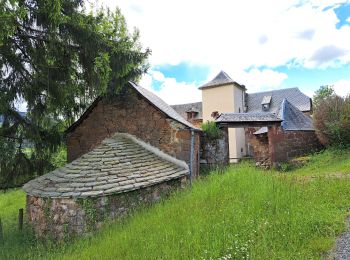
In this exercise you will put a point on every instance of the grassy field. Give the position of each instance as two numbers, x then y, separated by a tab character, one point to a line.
244	213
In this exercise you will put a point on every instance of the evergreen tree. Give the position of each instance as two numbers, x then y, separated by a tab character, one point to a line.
57	58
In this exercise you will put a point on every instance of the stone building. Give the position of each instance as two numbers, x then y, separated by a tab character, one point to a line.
123	151
192	112
275	137
224	96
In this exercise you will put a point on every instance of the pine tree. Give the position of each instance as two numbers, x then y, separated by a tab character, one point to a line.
56	57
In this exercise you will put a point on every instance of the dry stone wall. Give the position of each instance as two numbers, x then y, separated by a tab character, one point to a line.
258	146
215	151
59	218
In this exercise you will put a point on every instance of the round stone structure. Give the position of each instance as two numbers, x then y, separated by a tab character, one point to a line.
105	183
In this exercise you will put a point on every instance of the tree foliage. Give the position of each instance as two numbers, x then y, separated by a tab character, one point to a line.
332	121
323	93
56	57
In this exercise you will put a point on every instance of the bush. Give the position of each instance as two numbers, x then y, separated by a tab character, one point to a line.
332	121
211	130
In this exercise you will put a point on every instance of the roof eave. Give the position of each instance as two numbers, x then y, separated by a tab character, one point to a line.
222	84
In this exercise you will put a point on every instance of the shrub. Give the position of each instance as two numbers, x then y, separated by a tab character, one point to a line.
332	121
211	130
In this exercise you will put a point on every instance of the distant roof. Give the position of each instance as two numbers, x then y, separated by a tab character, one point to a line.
121	163
221	79
184	108
294	96
293	118
152	98
247	117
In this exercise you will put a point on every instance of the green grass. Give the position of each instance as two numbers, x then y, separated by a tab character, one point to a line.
243	213
328	162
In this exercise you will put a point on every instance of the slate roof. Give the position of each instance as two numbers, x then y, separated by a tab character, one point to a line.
247	117
221	79
293	118
183	108
294	96
161	105
150	97
121	163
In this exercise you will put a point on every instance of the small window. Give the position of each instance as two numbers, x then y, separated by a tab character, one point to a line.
239	110
265	107
215	114
190	115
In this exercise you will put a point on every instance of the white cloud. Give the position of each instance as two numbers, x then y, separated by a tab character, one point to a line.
171	91
342	87
267	79
244	33
236	36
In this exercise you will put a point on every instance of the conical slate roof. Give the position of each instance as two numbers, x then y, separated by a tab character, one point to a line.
293	118
221	79
121	163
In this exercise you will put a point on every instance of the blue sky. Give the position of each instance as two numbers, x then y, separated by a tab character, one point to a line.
276	44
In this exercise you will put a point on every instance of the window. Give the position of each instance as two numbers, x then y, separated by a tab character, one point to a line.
215	114
265	107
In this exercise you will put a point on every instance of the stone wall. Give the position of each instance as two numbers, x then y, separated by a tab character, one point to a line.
258	146
280	146
61	218
285	145
215	151
133	114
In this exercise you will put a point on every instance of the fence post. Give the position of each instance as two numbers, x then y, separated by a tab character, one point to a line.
20	219
1	233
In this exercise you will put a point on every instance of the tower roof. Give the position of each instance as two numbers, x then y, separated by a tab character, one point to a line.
221	79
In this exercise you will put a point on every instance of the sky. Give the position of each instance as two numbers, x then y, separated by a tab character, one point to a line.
263	45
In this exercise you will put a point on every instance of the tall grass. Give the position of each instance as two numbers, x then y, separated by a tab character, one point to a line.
244	213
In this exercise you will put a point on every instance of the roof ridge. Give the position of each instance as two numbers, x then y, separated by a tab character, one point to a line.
154	150
186	103
161	105
275	90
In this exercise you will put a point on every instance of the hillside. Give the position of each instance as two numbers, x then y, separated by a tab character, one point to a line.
240	214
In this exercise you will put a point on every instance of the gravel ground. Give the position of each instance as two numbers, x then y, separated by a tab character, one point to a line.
342	249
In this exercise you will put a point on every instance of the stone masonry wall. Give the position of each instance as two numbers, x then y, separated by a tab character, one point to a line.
132	114
61	218
285	145
215	151
258	146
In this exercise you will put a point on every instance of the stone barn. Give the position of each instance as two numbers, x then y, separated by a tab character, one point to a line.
124	151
